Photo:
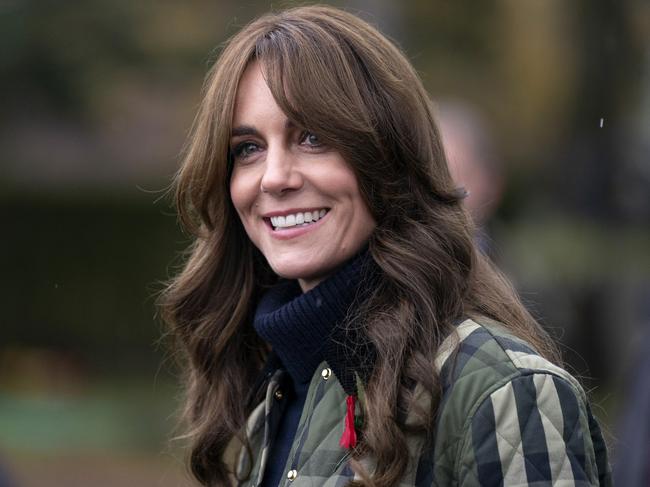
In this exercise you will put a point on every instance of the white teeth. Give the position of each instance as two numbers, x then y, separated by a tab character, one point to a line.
303	219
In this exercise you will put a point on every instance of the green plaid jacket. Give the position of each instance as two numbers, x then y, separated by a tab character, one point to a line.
507	417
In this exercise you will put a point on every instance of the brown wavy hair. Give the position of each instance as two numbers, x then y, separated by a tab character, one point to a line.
334	75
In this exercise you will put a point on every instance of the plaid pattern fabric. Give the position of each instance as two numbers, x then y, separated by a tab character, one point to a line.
507	418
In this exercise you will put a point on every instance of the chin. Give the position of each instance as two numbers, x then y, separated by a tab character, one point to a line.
299	271
295	272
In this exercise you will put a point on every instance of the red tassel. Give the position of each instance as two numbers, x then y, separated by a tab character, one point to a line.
349	436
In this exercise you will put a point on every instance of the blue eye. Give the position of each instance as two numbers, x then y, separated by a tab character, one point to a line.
311	139
243	150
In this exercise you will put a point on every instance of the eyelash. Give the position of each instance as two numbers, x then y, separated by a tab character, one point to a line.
238	152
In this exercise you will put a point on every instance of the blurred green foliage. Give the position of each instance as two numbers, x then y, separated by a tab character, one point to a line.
114	415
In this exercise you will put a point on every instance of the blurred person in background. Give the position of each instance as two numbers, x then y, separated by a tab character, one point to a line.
472	162
339	323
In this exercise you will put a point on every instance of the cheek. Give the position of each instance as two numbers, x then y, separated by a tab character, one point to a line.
238	200
240	193
336	178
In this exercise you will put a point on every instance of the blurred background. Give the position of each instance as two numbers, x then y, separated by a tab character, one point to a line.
545	109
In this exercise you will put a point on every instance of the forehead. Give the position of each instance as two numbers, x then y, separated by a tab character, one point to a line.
254	102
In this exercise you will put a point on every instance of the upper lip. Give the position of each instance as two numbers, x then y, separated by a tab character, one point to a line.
292	211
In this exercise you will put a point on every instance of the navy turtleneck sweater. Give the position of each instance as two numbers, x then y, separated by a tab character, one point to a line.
299	327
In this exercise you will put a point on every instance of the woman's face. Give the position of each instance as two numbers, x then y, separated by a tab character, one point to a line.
298	200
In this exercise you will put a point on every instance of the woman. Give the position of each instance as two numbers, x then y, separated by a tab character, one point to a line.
339	325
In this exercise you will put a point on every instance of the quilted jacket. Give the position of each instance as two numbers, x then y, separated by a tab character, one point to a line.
507	417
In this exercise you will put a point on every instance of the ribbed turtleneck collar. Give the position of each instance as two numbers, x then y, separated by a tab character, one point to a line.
306	328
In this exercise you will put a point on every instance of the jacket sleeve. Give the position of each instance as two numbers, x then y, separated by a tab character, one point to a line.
533	430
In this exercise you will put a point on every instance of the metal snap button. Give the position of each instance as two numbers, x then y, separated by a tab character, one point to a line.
278	395
291	475
326	373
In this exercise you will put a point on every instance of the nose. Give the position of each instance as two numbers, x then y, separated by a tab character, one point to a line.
281	172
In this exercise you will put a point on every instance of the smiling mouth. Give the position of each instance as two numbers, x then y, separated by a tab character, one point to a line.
294	220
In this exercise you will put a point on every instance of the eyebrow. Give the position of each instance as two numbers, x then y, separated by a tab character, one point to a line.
242	130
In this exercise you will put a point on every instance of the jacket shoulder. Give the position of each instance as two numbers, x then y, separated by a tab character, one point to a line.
486	351
508	412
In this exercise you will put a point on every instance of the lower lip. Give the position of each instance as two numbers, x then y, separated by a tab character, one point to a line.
293	232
